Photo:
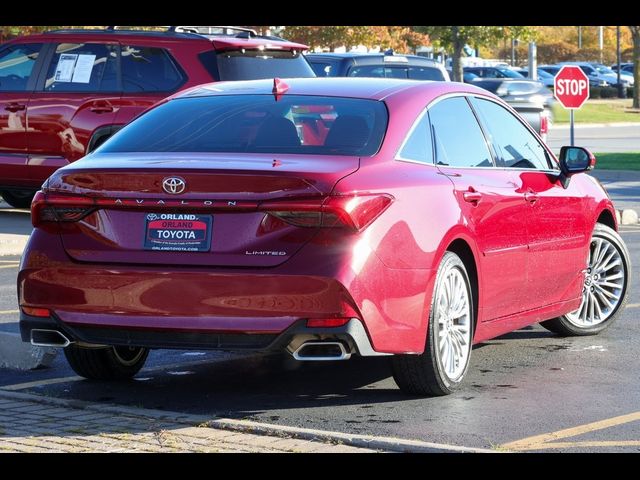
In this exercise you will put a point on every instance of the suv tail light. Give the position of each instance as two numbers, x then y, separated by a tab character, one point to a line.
354	212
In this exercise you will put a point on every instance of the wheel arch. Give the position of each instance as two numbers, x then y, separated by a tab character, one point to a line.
463	249
606	217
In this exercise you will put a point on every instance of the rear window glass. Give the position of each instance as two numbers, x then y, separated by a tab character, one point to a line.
258	64
426	73
257	124
378	71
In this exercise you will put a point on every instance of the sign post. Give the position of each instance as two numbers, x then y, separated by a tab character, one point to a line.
571	89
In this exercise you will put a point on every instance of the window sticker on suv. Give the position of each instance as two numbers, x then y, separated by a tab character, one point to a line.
74	68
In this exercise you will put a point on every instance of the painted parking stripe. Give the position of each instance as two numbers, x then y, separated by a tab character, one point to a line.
40	383
9	312
55	381
9	261
15	265
632	305
550	440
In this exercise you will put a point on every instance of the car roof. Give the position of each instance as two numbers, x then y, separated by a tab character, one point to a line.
220	42
353	87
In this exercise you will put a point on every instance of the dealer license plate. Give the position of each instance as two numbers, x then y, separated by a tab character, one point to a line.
178	232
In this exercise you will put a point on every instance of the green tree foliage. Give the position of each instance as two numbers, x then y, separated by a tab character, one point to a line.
454	38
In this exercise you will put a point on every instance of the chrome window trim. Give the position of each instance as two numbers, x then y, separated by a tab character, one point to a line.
398	157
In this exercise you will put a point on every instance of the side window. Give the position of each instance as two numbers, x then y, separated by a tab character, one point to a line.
458	139
16	64
418	146
148	69
323	68
514	144
83	67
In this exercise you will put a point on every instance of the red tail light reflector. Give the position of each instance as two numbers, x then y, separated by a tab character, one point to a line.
36	312
327	322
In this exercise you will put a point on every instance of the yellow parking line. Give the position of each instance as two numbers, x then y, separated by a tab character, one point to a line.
15	265
38	383
9	261
632	305
9	312
54	381
593	444
542	441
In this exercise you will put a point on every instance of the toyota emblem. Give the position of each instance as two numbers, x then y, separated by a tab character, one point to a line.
174	185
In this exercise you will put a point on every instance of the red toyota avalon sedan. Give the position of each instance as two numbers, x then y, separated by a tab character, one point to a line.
322	217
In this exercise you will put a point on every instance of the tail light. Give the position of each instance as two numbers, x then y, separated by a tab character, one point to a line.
544	125
47	208
354	212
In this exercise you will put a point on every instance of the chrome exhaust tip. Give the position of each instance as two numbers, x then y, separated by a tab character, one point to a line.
321	352
49	338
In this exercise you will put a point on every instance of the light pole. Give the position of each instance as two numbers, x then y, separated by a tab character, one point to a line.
621	92
580	38
601	41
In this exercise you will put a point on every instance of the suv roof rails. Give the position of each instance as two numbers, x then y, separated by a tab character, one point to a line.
214	30
177	30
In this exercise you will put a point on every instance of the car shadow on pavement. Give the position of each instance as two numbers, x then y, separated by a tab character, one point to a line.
246	386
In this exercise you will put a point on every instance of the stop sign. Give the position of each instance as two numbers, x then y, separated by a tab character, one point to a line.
571	87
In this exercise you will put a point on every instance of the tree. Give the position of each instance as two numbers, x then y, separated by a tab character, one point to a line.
454	39
635	35
400	38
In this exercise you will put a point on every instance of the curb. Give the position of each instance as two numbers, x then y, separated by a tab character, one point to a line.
387	444
19	355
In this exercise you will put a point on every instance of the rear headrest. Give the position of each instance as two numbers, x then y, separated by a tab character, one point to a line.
277	132
348	131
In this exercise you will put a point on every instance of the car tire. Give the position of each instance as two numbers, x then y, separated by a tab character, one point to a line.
18	198
110	363
605	290
438	371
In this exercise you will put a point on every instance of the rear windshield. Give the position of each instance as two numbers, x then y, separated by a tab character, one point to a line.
258	64
257	124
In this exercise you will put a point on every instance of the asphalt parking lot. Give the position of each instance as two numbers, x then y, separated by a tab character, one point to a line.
527	391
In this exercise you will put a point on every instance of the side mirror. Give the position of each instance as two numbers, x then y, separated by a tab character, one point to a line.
574	160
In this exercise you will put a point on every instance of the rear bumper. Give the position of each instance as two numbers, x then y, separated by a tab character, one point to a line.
352	335
194	307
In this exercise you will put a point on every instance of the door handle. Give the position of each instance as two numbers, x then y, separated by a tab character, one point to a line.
531	197
472	196
15	107
101	108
